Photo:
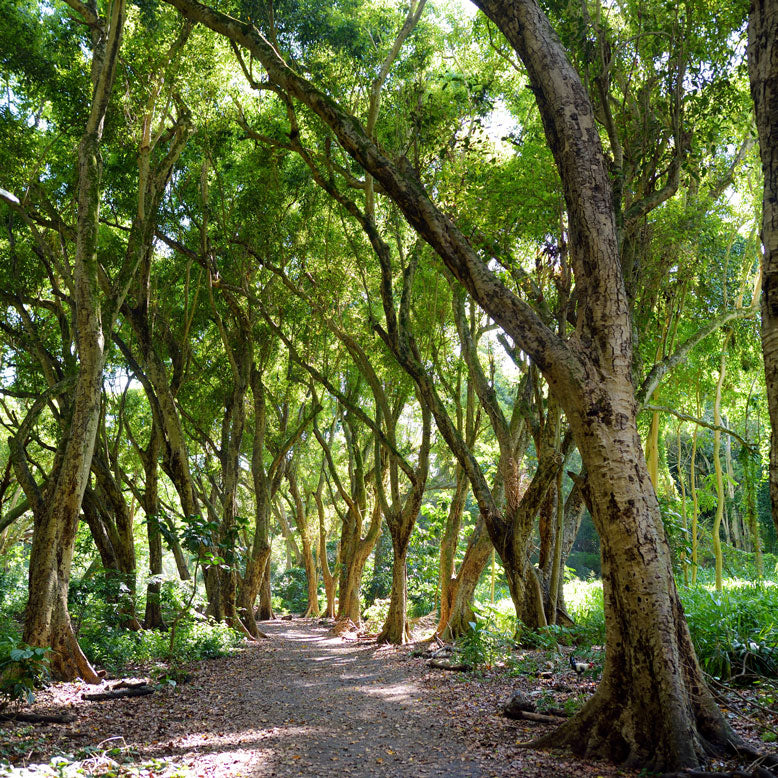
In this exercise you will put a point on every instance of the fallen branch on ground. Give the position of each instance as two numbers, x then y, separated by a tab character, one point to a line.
38	718
543	718
138	691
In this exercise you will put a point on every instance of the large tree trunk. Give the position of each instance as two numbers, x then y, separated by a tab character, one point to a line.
648	645
47	622
763	71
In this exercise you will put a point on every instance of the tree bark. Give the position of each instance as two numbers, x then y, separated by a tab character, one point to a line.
326	572
47	621
401	519
153	616
479	549
448	547
763	72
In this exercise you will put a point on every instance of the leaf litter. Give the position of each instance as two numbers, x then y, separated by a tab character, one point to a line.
303	703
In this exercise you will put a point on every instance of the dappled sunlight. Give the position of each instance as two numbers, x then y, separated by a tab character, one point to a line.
396	693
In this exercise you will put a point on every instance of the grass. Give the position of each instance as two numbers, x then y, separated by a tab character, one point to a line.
735	632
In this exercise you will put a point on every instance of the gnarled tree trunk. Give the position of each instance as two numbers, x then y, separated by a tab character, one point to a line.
763	71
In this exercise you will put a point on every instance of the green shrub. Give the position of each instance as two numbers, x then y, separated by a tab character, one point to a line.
292	589
584	603
13	592
375	615
118	650
735	632
23	669
489	639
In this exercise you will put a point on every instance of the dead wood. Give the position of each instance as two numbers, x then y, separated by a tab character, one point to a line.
38	718
440	664
343	626
138	691
130	683
542	718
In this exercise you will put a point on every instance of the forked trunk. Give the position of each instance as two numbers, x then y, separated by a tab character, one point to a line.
478	551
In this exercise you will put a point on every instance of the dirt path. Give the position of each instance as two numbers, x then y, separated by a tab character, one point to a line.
309	703
304	703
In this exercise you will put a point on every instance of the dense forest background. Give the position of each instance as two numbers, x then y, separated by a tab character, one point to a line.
240	380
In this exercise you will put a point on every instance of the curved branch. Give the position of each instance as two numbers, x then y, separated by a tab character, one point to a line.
661	369
702	423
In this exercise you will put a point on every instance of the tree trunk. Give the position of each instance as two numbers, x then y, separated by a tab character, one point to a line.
152	618
695	503
717	553
301	520
479	548
763	72
396	629
648	643
329	580
448	549
47	622
312	580
265	609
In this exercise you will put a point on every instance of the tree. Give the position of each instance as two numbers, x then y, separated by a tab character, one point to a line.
652	707
56	515
763	71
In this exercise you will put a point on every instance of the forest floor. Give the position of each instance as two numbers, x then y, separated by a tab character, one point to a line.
303	703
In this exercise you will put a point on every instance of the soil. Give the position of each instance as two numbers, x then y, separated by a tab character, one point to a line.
306	702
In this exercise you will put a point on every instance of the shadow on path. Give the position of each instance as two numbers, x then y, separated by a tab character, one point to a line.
306	703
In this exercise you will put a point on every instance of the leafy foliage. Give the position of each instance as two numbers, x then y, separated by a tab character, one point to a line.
735	632
487	641
23	669
120	650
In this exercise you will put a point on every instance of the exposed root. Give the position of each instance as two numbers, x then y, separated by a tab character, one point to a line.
605	730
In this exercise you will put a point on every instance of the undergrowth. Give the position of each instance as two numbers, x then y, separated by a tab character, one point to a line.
735	632
117	650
